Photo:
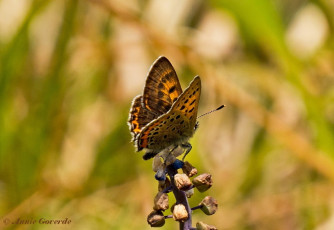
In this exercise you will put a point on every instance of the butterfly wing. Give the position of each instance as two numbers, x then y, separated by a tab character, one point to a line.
177	125
187	105
162	87
139	116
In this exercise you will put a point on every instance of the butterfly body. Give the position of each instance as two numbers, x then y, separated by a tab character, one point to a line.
164	116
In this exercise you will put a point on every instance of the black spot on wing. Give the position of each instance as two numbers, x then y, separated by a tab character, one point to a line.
168	76
172	89
160	103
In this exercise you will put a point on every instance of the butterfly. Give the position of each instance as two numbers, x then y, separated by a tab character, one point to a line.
164	116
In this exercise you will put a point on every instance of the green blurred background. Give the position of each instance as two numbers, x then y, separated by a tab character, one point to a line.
68	73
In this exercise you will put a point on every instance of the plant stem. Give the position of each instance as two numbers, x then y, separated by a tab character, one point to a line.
181	198
196	207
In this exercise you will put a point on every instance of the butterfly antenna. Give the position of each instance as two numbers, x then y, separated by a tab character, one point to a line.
220	107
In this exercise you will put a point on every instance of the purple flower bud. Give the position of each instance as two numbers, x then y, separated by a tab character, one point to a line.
177	164
160	175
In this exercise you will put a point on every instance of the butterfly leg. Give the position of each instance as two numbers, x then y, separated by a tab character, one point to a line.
164	153
149	154
188	148
169	153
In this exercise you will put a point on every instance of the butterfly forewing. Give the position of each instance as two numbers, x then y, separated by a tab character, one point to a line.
162	87
175	126
187	105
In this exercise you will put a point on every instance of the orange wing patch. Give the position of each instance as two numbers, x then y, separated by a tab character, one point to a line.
170	88
139	116
134	115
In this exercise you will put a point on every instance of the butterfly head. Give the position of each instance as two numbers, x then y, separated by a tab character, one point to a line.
196	126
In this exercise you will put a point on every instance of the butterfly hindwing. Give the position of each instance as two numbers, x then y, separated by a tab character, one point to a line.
162	87
168	129
139	116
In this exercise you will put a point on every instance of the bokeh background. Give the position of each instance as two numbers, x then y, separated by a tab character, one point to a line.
68	73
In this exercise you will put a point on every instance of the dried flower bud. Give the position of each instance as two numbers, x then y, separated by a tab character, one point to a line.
161	201
189	169
160	175
189	193
209	205
182	182
156	219
179	212
202	226
203	182
157	163
164	184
